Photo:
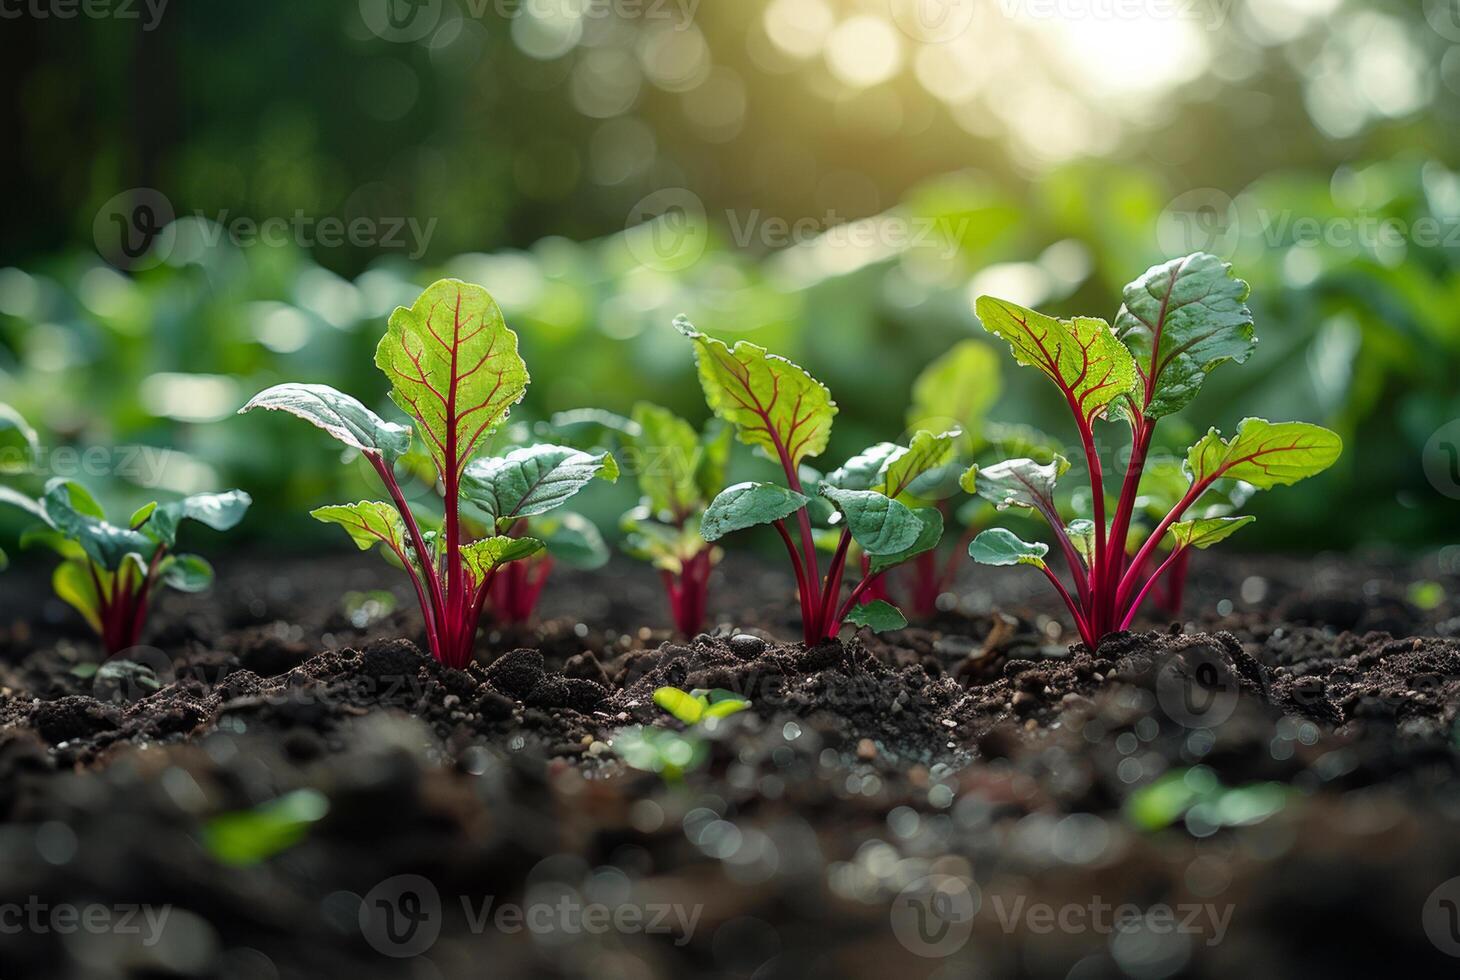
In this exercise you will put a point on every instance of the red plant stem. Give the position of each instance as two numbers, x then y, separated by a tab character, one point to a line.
1081	623
1135	606
1142	431
1176	584
826	626
1127	584
434	609
802	588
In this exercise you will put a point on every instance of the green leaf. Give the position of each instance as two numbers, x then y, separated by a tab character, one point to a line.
681	704
1264	454
723	704
748	505
587	428
338	414
18	443
1081	533
187	573
141	515
1207	531
482	556
1193	311
46	536
862	470
72	511
368	523
453	365
878	616
668	456
956	390
668	753
881	525
772	403
929	534
1000	546
1082	356
926	452
1012	441
1020	483
571	539
247	837
73	584
716	442
532	480
220	511
14	498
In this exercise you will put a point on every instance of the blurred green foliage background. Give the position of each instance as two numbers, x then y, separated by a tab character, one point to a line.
834	179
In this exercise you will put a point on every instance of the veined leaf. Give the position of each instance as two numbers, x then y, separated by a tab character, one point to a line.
773	403
1000	546
1020	483
220	511
926	452
75	513
930	532
453	365
1181	320
668	450
861	471
482	556
878	616
18	444
1264	454
1082	356
748	505
368	523
532	480
338	414
1207	531
956	390
881	525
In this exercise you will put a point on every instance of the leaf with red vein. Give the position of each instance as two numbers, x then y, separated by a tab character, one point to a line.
1264	454
453	365
1082	356
773	403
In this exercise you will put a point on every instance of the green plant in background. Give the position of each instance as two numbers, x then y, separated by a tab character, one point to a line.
780	409
679	471
18	449
109	572
1179	322
453	366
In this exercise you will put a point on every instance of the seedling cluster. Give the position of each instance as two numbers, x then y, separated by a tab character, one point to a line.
487	537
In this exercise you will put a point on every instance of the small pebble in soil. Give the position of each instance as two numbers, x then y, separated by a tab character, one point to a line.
866	750
746	646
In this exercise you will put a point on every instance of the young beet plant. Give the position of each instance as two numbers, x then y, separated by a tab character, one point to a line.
782	410
110	572
453	366
679	471
1179	321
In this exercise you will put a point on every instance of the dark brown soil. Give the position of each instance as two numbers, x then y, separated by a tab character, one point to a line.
979	747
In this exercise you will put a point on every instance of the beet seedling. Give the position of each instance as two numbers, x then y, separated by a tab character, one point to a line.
779	408
1179	321
679	471
453	367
